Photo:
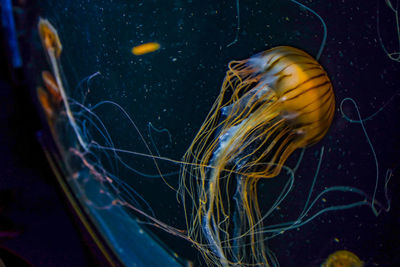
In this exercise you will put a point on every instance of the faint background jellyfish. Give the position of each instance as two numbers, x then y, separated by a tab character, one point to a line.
342	258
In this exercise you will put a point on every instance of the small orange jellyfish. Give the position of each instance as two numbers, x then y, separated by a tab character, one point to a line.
53	81
45	102
343	258
51	86
51	98
50	40
145	48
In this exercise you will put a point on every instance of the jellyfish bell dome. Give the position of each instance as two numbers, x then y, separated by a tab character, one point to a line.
303	90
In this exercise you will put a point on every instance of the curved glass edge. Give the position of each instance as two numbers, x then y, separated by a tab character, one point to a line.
128	241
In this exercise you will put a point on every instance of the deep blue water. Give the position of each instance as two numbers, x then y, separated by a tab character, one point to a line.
175	87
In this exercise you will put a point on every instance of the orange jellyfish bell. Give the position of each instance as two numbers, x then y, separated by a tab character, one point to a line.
302	87
50	39
272	103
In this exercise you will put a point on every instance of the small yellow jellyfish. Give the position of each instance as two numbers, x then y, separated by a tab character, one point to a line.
343	258
53	81
44	101
145	48
51	86
49	39
51	98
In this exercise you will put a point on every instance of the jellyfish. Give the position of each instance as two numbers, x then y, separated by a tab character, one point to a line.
270	105
343	258
145	48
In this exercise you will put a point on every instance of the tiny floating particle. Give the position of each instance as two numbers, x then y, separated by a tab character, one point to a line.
145	48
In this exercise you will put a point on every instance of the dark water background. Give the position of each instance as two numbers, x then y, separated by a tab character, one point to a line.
175	87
